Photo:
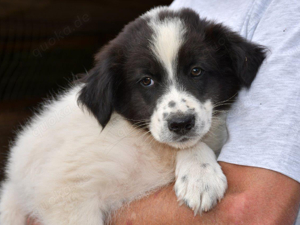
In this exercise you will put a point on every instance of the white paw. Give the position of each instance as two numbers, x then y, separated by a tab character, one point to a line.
200	185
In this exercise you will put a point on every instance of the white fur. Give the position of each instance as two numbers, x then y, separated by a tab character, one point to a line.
154	12
167	39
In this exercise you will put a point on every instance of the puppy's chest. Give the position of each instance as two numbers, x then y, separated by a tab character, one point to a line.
145	170
150	161
139	147
144	165
155	155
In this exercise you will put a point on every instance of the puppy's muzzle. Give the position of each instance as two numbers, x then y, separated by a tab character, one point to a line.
181	124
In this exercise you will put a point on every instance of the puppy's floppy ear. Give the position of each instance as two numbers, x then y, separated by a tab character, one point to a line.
245	57
97	94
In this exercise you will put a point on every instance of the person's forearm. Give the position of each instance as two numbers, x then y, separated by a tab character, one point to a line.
255	196
162	207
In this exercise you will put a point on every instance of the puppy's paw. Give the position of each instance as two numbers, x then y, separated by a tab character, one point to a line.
200	185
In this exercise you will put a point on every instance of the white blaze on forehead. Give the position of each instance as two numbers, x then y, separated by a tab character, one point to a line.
154	11
166	41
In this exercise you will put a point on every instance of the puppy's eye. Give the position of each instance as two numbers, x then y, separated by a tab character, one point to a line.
147	82
196	72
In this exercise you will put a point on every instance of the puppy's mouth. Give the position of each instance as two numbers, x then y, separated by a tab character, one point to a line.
183	139
187	138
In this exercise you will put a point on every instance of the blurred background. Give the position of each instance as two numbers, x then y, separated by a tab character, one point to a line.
44	44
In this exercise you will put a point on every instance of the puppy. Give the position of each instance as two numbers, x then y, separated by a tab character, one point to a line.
151	110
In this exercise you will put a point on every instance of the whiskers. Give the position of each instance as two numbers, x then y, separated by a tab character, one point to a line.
218	120
141	123
217	112
226	102
144	124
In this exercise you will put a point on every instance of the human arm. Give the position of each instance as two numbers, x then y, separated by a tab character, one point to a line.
254	196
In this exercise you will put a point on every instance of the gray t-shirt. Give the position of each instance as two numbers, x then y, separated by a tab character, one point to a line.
264	123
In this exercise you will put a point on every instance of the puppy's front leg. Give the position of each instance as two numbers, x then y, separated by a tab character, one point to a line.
200	182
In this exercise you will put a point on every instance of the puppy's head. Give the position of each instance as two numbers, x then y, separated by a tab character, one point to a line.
169	72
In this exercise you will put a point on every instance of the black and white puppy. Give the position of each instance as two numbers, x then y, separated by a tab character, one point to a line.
151	109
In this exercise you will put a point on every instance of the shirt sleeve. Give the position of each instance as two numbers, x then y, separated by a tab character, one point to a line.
264	123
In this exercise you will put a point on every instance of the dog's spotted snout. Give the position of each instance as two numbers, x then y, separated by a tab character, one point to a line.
181	124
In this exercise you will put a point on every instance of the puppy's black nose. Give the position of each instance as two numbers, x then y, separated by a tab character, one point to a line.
181	125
